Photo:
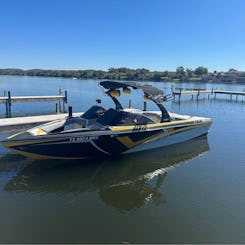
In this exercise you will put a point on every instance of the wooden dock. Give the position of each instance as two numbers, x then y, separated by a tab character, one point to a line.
7	99
211	93
18	123
32	98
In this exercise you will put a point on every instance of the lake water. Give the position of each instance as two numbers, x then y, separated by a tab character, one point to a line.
187	193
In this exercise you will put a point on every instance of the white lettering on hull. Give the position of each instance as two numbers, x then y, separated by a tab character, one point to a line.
83	139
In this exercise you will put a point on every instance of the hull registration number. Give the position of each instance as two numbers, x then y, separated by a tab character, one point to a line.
83	139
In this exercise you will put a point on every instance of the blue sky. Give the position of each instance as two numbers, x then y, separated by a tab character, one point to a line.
99	34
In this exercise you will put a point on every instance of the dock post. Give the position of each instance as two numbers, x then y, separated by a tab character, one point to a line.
198	93
231	97
59	104
64	101
236	97
180	93
7	108
8	105
145	106
129	103
65	96
57	108
172	89
70	111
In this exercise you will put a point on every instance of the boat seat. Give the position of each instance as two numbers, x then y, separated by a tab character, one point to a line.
110	117
94	112
129	118
154	117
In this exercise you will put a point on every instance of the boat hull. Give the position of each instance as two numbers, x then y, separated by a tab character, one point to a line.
114	141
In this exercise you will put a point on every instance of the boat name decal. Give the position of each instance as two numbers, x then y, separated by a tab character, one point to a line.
83	139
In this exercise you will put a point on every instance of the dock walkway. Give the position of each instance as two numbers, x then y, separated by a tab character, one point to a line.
33	98
7	99
9	124
211	92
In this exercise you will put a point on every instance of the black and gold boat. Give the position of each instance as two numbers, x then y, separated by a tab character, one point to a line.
105	132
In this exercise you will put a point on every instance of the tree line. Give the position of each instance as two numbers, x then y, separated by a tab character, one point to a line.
123	73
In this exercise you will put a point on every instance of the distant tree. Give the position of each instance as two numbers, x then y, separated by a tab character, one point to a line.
165	73
218	74
189	73
231	70
201	71
180	72
157	76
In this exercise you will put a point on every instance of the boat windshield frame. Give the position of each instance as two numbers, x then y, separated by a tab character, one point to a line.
152	93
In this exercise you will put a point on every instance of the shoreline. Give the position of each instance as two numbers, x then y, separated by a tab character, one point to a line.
177	81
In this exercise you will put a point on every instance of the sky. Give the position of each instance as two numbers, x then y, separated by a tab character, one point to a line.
100	34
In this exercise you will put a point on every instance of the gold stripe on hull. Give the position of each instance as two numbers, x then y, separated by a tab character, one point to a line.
180	123
125	140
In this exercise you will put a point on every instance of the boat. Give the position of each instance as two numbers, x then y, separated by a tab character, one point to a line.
110	131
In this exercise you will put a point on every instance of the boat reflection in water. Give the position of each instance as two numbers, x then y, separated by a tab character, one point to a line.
125	183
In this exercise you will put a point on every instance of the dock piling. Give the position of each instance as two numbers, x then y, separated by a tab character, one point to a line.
65	101
180	93
70	111
130	103
8	104
145	106
59	103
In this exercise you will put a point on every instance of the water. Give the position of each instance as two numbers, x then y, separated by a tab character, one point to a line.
187	193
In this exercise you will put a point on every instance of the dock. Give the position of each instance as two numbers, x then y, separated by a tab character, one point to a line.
7	99
212	93
19	123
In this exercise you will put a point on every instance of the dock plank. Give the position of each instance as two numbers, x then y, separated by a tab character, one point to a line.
33	98
192	92
229	92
